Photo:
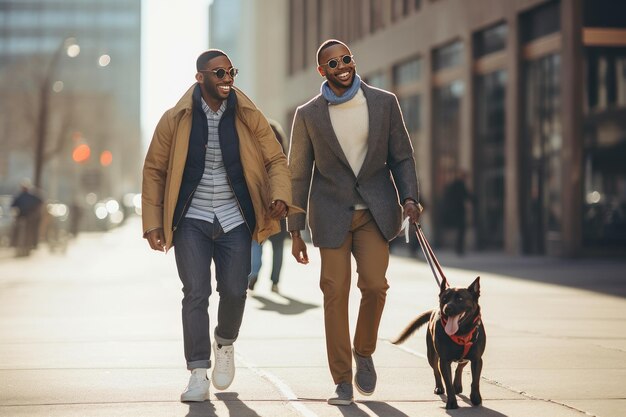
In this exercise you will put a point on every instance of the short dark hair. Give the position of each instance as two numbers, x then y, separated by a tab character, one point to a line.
327	44
207	56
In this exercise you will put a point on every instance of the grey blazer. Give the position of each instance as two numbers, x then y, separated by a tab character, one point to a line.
321	174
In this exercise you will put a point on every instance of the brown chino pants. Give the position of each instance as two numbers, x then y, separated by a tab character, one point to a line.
371	252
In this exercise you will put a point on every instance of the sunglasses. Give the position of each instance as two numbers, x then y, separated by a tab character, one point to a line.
221	72
334	63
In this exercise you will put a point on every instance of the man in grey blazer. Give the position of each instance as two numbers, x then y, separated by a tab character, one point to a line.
352	164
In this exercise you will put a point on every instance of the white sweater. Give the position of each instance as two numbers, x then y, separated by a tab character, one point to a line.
350	122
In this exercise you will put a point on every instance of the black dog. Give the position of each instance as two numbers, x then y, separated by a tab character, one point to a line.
455	334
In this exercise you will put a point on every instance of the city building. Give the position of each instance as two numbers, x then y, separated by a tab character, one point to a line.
527	96
256	44
69	82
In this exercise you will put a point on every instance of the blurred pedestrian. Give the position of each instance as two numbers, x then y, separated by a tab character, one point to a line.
214	178
352	164
27	205
76	214
277	241
455	197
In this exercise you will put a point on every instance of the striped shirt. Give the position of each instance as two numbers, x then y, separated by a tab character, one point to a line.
214	196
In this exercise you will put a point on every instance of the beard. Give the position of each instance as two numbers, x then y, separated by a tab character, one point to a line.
335	82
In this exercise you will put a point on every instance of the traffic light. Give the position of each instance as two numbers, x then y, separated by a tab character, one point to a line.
106	157
81	153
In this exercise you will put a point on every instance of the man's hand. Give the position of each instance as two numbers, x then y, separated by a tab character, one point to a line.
298	249
412	210
278	209
156	239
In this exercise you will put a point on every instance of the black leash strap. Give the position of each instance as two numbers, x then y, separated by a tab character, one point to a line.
429	255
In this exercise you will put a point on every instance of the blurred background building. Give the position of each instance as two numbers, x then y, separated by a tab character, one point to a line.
527	96
70	102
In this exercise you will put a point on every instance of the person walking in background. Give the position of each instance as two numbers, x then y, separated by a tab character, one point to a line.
27	206
277	240
352	164
214	178
455	197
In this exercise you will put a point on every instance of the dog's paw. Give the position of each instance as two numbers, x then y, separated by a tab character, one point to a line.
476	398
439	390
452	404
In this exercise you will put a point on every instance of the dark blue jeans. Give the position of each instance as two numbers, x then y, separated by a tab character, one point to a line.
196	244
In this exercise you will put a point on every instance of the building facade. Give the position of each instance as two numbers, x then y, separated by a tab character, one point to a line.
69	81
257	45
527	96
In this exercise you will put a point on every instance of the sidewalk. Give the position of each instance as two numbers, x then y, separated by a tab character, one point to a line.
98	333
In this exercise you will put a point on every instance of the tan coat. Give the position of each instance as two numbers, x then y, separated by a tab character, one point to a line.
264	166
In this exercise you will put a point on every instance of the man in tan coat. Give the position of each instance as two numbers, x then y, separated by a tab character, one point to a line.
214	178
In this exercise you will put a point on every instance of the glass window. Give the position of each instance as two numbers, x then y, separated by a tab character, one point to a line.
446	128
448	56
604	13
378	79
490	40
604	202
540	21
541	145
376	14
411	111
606	79
407	72
489	158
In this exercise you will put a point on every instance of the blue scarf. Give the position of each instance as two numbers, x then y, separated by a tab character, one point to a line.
332	98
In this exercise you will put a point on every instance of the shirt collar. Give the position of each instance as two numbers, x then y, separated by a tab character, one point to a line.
208	111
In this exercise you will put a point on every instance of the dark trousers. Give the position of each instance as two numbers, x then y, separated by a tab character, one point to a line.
196	244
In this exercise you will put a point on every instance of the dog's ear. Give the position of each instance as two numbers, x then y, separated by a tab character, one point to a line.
474	287
444	285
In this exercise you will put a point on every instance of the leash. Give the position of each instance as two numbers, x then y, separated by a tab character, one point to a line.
427	250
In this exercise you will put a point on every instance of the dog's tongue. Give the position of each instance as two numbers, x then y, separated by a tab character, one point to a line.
452	325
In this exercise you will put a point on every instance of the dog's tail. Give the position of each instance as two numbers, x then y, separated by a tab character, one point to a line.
417	323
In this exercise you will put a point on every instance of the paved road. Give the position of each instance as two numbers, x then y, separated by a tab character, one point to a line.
97	333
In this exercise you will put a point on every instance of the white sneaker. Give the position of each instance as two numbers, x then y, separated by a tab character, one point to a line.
198	387
224	370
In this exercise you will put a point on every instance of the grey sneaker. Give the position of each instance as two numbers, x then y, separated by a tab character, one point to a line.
343	394
365	376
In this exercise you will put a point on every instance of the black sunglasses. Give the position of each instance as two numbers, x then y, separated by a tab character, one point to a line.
334	63
221	72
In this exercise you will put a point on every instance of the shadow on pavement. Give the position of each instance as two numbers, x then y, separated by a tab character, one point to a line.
235	406
291	308
351	410
383	409
203	409
471	410
604	276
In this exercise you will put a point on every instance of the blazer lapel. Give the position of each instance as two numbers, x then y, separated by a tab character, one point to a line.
372	127
327	131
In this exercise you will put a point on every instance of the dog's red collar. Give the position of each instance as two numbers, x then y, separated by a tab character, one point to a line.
465	340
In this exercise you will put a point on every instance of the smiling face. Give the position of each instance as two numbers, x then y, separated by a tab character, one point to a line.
214	89
341	77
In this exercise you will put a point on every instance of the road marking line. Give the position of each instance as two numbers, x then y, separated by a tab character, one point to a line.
408	350
284	389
